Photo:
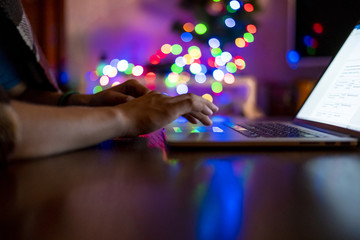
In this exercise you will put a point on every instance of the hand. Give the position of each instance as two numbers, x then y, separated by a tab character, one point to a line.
155	110
122	93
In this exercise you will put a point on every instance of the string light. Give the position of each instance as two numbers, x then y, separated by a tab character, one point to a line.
176	49
104	80
216	87
137	71
182	89
200	29
230	22
235	5
248	7
186	37
208	97
122	65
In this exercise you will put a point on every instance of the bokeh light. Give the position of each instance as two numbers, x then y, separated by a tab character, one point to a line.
214	8
166	48
235	5
176	49
251	28
122	65
176	69
129	69
248	7
137	71
188	59
150	77
180	61
186	37
208	97
214	43
293	57
195	68
231	67
229	78
188	27
318	28
200	78
230	22
104	80
216	87
240	42
218	75
114	62
248	37
115	83
194	52
97	89
226	57
200	29
182	89
154	59
216	52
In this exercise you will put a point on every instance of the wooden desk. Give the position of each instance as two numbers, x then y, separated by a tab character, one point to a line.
136	190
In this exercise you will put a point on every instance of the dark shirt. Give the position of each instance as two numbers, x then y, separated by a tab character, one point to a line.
20	56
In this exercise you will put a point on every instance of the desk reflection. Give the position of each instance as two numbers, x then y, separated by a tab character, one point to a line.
137	189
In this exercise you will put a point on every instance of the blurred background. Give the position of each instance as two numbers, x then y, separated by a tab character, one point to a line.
252	57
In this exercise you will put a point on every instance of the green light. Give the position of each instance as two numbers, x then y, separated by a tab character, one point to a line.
229	9
193	48
195	131
169	84
216	52
216	87
176	69
176	49
311	51
99	69
177	130
129	69
249	37
231	67
97	89
216	0
200	29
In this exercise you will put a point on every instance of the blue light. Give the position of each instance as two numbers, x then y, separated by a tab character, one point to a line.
186	37
230	22
214	43
182	89
308	40
293	57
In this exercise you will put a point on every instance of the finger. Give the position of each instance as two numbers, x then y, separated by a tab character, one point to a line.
193	102
114	98
131	87
202	118
135	88
207	111
191	119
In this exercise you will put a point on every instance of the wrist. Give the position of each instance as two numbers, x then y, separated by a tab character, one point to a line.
78	99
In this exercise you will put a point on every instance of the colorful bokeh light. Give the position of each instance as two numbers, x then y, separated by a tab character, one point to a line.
248	7
176	49
216	87
200	29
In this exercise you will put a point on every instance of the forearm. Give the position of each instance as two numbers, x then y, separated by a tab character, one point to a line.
53	97
46	130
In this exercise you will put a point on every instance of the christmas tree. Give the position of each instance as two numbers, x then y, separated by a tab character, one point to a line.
200	56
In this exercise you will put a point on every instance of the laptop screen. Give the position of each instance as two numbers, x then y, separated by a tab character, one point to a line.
336	98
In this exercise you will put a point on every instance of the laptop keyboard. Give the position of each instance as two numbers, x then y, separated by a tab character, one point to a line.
270	130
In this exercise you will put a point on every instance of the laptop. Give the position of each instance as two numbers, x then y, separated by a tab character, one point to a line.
330	115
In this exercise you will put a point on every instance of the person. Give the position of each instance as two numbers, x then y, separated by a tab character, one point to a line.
37	119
